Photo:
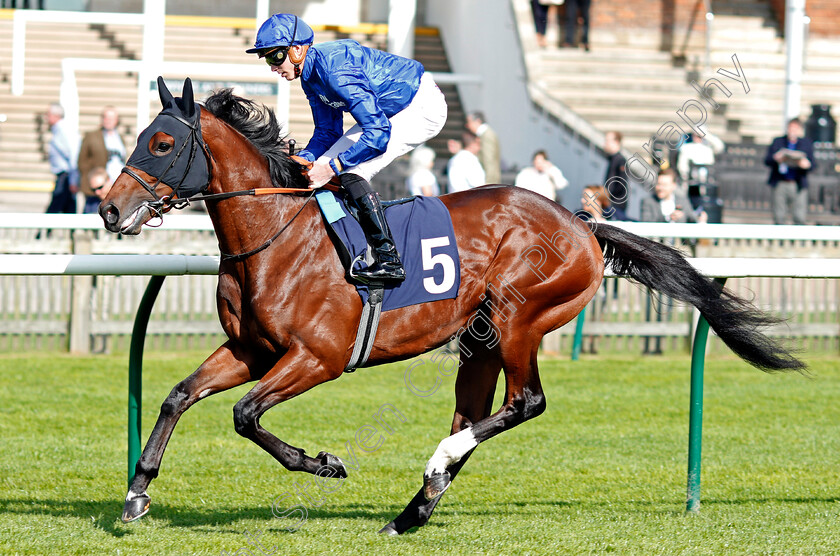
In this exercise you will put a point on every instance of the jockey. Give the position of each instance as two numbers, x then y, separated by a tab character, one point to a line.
395	104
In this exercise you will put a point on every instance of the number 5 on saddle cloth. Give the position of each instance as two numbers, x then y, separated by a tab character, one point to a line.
423	234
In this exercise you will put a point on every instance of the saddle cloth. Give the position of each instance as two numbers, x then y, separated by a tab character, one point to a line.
423	233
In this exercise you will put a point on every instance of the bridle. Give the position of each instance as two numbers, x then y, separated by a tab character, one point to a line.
158	206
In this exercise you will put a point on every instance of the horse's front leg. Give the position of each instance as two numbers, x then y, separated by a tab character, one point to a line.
296	372
224	369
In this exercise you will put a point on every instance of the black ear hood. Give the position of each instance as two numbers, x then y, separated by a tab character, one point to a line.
185	168
184	106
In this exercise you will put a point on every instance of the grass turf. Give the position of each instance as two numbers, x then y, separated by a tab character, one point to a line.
603	470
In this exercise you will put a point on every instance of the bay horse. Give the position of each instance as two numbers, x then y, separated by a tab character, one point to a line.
526	264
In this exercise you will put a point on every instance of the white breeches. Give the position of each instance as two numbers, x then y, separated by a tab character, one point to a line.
418	122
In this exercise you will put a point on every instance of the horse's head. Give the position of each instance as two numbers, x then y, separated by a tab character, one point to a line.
171	161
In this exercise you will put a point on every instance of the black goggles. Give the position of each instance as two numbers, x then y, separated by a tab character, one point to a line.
277	56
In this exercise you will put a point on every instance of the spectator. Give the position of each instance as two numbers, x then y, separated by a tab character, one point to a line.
464	169
790	158
598	207
542	177
421	180
63	153
697	151
615	179
103	148
573	8
489	153
541	9
99	182
667	203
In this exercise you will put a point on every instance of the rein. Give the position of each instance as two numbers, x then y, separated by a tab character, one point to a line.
160	205
240	256
181	203
166	203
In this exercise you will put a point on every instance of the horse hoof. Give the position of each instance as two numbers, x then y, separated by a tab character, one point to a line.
390	530
435	485
329	460
136	507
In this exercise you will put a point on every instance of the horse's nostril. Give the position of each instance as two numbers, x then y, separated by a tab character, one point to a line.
110	213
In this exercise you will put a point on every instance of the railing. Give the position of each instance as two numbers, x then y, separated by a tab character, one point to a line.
71	66
812	309
86	314
722	269
150	61
741	175
156	266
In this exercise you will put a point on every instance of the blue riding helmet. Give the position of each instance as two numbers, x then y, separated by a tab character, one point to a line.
281	30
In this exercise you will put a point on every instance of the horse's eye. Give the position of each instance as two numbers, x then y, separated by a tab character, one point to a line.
161	144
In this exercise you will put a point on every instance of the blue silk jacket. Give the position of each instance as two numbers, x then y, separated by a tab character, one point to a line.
344	76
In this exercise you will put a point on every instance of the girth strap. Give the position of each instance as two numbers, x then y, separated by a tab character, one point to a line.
368	324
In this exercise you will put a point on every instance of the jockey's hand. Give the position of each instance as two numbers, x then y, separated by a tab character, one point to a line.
320	173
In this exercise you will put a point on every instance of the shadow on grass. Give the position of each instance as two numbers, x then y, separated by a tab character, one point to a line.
106	514
770	499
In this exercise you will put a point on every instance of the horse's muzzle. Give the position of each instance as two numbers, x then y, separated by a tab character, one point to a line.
111	216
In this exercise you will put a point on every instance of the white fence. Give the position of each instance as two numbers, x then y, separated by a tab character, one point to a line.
85	312
96	312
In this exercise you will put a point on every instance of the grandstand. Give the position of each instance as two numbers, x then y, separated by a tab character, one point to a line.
643	58
24	136
637	75
634	79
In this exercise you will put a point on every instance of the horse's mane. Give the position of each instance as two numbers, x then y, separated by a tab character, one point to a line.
259	125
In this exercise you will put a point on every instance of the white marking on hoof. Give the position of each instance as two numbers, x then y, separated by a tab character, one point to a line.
450	450
132	495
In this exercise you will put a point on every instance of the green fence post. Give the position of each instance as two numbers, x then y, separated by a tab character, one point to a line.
135	371
577	343
695	414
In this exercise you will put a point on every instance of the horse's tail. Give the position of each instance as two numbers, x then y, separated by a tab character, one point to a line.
663	268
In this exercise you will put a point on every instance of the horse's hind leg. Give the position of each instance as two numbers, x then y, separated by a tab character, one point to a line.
518	340
524	400
474	389
221	371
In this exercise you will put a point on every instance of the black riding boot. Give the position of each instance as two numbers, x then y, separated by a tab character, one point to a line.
387	266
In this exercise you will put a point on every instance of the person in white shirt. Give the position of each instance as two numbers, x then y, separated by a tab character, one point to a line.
542	177
699	151
421	180
464	169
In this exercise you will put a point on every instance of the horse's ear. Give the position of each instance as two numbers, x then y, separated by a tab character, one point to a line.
187	99
166	98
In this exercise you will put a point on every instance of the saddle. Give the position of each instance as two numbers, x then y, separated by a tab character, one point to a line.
425	239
